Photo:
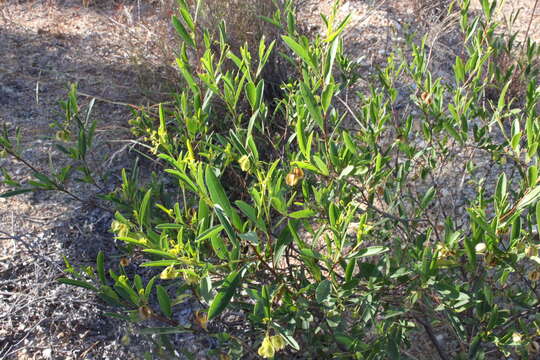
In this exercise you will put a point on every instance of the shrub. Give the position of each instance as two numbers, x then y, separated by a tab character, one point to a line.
320	224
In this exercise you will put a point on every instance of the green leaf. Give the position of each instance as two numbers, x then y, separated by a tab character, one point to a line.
369	251
160	263
219	247
287	336
428	196
501	188
225	222
188	77
346	171
502	97
538	216
187	18
44	179
225	294
132	240
148	288
283	240
329	64
349	143
185	178
170	226
300	137
529	198
215	230
306	165
310	253
314	110
301	214
251	93
321	165
143	210
78	283
478	219
164	300
299	50
323	291
181	30
161	253
327	95
15	192
100	262
350	269
459	70
251	237
475	347
251	213
218	196
339	29
205	288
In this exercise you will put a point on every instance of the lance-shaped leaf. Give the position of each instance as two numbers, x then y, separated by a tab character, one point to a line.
299	50
218	196
225	294
314	110
164	300
100	262
181	30
531	197
79	283
322	293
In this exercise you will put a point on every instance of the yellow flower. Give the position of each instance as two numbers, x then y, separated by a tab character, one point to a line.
266	350
245	164
270	345
294	177
122	279
277	342
62	135
119	228
177	249
169	273
201	319
443	251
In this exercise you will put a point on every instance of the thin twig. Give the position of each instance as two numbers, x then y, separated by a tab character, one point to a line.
529	25
432	337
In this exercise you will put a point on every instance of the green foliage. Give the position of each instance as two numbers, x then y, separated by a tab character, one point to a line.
314	220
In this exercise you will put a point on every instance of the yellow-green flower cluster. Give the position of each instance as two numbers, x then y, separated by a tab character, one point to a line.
270	345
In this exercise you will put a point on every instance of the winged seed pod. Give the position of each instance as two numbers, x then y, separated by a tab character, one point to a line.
294	177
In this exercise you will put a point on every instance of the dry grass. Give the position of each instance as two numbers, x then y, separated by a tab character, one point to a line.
153	44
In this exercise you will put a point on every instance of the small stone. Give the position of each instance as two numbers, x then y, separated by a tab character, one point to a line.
47	353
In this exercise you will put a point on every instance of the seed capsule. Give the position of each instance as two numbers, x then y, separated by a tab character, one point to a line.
145	312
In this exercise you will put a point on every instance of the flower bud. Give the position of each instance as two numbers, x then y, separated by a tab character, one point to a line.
480	248
145	312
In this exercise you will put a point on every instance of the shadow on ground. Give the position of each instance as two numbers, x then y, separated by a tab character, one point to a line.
43	50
